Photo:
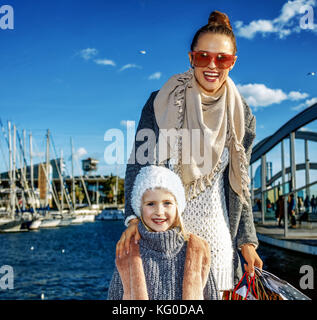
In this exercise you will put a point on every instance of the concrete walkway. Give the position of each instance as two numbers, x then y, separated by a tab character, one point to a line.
302	239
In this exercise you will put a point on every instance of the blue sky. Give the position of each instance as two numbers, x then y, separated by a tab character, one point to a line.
75	67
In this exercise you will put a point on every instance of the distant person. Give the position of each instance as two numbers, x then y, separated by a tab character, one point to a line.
313	204
259	203
291	210
307	204
300	205
280	210
268	204
166	263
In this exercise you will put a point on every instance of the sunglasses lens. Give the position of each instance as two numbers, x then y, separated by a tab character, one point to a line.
222	61
201	59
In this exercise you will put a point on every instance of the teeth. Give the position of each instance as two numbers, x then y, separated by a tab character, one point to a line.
211	74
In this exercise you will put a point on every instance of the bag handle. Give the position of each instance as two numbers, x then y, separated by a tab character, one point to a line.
249	284
237	286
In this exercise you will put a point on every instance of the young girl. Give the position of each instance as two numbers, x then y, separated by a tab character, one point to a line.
166	263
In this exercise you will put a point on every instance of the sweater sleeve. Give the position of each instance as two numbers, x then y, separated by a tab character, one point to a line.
210	290
115	291
246	230
147	121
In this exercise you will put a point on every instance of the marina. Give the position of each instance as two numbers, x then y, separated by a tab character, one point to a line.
41	196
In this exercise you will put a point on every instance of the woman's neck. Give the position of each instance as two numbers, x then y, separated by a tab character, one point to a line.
209	96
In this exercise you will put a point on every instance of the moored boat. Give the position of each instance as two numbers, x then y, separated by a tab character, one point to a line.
50	223
78	219
35	224
12	226
89	218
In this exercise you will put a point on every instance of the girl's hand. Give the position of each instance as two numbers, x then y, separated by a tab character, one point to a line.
123	245
251	257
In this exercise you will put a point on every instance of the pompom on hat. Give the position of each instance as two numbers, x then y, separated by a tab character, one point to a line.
151	177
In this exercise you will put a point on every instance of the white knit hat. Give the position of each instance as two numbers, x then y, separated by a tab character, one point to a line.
151	177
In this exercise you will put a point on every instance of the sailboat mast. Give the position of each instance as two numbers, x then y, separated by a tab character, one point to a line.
31	163
24	151
13	170
47	166
116	185
62	182
23	171
10	171
73	178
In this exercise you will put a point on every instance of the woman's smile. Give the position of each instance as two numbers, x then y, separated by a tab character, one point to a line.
211	76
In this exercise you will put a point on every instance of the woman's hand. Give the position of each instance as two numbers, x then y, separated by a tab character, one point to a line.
251	257
123	245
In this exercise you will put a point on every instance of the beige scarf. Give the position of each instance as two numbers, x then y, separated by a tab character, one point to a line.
201	123
196	271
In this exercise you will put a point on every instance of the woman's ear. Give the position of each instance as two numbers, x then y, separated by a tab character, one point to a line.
235	59
191	59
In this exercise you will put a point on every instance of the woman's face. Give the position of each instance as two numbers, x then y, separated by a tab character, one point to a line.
159	209
210	78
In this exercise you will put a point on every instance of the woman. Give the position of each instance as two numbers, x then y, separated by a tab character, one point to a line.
210	117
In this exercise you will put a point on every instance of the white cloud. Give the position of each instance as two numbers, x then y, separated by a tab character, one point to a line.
258	95
88	53
306	104
129	66
295	95
286	23
155	76
311	101
249	31
105	62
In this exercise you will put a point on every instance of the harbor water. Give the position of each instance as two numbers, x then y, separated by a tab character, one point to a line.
76	262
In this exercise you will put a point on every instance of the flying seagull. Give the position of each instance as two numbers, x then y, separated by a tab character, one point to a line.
311	73
142	51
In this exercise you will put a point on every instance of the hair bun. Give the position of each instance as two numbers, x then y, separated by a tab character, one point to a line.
218	18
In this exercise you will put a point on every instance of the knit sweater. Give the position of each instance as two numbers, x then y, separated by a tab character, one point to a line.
240	217
206	216
163	257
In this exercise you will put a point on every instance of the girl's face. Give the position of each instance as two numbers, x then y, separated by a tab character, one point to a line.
211	78
159	209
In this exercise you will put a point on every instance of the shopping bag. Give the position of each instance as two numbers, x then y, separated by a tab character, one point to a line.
263	286
242	291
